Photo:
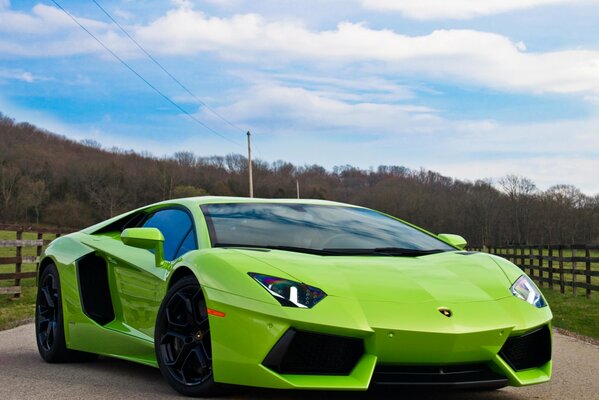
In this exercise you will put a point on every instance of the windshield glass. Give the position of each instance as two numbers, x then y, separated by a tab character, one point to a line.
313	227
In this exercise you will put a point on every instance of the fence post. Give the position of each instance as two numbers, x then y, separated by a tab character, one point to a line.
531	261
550	255
522	265
514	254
38	252
587	270
540	265
18	264
574	287
560	251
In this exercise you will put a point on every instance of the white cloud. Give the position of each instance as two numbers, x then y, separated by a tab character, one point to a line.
43	19
122	14
481	58
366	89
466	56
48	32
321	110
4	4
19	75
456	9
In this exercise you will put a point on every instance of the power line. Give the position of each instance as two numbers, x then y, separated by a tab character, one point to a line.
165	70
142	78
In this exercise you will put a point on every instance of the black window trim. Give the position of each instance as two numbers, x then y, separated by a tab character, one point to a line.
209	225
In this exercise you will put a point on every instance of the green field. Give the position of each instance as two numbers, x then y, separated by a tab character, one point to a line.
573	313
577	314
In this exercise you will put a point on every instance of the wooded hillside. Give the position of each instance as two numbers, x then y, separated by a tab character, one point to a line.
50	179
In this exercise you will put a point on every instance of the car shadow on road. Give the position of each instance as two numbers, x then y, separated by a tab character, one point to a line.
113	378
376	394
135	376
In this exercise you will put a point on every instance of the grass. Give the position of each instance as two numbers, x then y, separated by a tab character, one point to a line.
13	312
574	313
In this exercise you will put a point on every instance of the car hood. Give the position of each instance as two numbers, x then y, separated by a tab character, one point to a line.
450	276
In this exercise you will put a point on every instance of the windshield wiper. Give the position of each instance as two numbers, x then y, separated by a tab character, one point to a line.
387	251
379	251
321	252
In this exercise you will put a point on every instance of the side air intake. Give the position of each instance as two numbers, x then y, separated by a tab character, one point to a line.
94	289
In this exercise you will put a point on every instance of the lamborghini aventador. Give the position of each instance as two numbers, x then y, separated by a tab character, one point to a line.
298	294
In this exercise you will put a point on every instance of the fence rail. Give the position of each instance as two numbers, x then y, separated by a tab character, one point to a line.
18	259
573	266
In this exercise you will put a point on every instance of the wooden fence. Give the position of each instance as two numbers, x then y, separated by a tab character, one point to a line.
19	259
573	266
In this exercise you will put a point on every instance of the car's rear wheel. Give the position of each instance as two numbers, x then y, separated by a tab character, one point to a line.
182	340
49	321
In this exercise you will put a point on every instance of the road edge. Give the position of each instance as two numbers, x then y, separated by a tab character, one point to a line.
15	324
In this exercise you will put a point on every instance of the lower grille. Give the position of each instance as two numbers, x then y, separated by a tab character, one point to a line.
530	350
310	353
471	375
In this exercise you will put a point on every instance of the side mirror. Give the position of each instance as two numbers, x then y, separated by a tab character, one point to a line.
454	240
145	238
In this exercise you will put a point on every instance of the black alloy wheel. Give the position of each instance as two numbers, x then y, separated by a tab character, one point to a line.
47	312
183	346
49	321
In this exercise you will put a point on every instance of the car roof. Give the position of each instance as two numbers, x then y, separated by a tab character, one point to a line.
190	201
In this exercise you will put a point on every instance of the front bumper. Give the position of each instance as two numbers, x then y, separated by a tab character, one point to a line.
394	337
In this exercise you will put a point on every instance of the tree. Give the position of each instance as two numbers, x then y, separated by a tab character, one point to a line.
520	192
188	191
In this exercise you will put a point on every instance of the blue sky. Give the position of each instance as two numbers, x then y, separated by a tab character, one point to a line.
471	89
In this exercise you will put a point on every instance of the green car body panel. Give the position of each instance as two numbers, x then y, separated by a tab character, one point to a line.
391	303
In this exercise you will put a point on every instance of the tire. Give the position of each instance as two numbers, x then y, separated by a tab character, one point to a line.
49	322
182	340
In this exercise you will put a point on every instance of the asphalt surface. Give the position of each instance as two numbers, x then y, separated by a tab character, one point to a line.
23	375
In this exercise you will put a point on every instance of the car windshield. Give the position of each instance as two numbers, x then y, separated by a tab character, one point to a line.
318	229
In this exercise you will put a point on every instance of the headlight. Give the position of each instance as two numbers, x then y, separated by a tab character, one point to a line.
290	293
524	289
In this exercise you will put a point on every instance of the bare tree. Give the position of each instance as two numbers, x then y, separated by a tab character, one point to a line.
520	192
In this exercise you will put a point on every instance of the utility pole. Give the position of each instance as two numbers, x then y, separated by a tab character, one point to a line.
250	177
297	187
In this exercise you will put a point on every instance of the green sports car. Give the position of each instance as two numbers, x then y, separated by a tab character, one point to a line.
296	294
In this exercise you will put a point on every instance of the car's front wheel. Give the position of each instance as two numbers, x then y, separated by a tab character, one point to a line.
182	340
49	321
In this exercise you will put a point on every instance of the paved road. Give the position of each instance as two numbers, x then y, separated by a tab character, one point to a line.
23	375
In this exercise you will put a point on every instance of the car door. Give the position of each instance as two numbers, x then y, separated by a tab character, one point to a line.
140	284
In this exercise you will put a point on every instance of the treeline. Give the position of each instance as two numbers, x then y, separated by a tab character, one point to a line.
49	179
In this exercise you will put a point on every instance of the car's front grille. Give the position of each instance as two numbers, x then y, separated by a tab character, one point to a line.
530	350
311	353
468	375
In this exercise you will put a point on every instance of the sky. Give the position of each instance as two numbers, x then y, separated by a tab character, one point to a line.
469	88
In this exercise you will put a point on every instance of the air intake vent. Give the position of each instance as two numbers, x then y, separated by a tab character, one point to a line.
471	375
310	353
530	350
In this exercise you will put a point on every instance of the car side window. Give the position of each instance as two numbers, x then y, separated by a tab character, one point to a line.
176	227
189	243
